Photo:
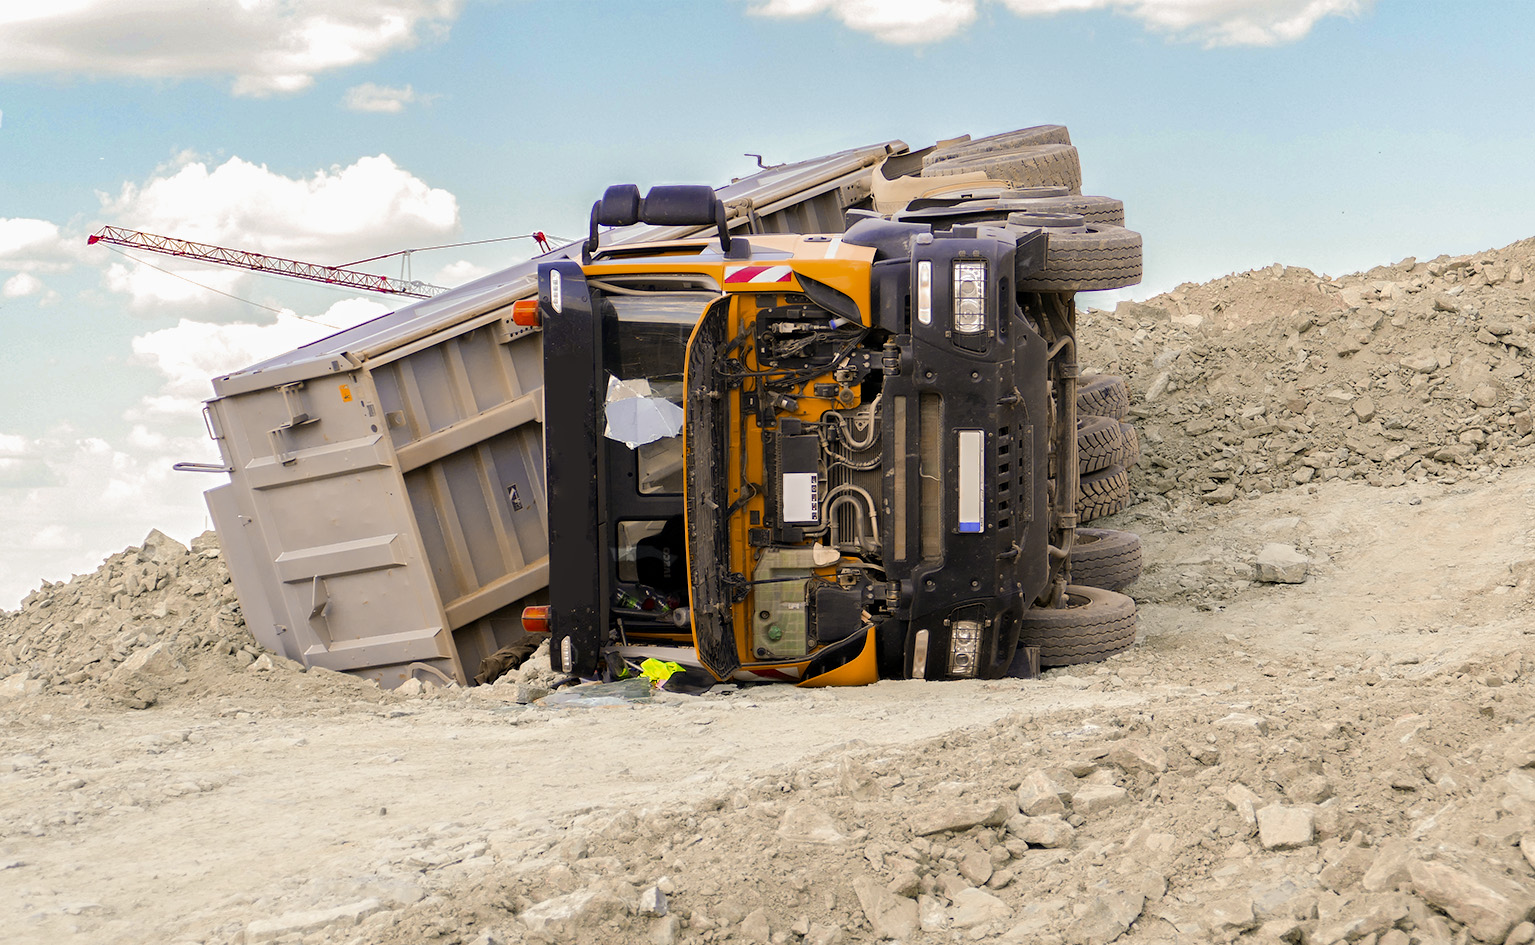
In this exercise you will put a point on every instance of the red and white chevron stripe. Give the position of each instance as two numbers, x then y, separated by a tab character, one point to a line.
740	274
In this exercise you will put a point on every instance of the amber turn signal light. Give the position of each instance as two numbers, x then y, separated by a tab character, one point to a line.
525	313
535	619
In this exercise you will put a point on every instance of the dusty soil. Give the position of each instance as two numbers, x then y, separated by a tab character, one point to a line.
1344	759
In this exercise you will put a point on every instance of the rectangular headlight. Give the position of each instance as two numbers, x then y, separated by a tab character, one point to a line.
964	647
969	296
925	291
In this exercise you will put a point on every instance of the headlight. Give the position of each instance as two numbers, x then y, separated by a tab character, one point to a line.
964	647
969	297
925	291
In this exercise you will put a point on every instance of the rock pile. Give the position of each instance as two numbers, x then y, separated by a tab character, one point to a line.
529	682
1324	806
128	630
1278	377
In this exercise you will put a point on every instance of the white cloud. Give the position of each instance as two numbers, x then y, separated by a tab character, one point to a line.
173	284
192	352
71	500
460	272
50	538
21	465
380	98
893	21
349	312
1212	22
30	245
24	284
20	285
333	216
267	46
143	438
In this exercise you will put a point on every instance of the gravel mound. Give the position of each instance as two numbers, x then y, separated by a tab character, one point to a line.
1319	806
1270	379
129	629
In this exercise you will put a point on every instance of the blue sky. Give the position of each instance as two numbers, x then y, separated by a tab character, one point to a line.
1332	134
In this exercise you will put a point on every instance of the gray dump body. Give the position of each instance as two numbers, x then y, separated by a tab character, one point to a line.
385	509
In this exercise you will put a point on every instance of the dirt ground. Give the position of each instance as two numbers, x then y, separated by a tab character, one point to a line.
1344	759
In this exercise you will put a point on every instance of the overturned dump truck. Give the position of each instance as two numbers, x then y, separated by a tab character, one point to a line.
724	431
823	458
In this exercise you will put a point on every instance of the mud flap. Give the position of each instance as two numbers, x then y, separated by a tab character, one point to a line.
1025	664
849	663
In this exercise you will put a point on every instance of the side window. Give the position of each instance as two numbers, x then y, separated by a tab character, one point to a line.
651	553
644	345
660	467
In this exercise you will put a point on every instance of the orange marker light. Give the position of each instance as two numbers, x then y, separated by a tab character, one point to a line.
535	619
525	313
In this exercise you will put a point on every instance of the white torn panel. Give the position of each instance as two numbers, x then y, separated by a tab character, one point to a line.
636	416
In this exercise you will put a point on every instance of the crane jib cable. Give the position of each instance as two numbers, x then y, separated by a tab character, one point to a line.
227	295
537	236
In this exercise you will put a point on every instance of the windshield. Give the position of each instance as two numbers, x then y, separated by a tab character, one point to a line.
644	342
645	335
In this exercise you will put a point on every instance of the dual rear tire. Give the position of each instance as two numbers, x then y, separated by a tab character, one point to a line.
1097	620
1040	165
1106	558
1103	442
1095	624
1107	446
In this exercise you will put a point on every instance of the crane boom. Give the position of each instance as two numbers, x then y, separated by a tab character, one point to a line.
259	262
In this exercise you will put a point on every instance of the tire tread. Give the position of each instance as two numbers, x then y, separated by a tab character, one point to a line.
1106	395
1104	624
1106	558
1007	141
1104	257
1102	493
1025	167
1108	211
1132	447
1100	443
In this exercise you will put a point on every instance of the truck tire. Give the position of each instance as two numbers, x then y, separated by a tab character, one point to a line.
1008	141
1100	443
1104	257
1132	441
1102	493
1026	167
1125	454
1105	395
1095	624
1104	210
1106	558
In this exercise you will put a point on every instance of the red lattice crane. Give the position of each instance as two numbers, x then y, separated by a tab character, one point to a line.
260	262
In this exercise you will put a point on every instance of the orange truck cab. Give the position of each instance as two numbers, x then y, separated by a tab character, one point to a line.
823	459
